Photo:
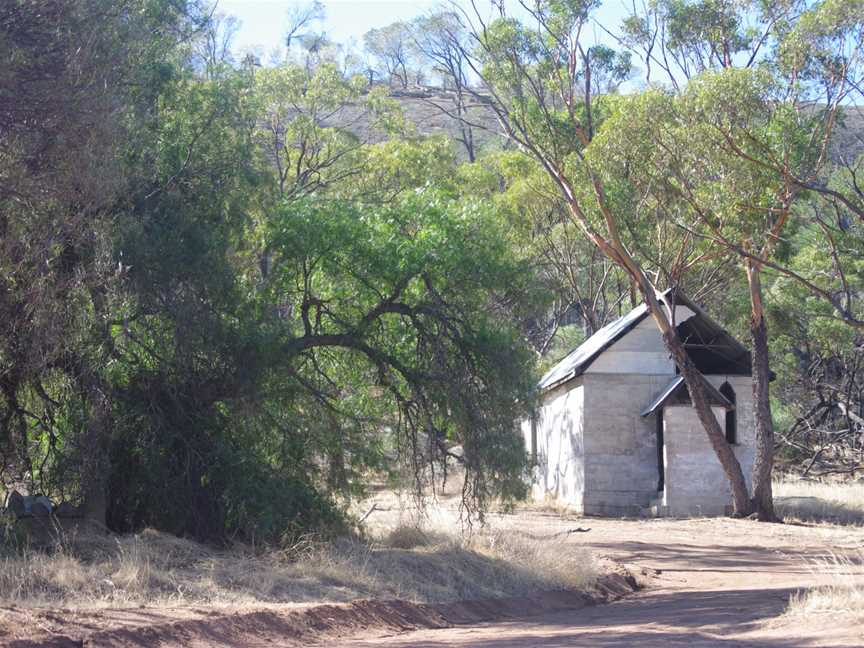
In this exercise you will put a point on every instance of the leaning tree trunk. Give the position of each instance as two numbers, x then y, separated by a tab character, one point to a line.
617	252
763	498
741	504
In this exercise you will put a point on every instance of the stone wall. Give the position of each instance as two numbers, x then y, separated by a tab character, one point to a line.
621	472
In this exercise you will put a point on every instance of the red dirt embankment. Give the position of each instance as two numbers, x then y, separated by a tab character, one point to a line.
284	627
715	583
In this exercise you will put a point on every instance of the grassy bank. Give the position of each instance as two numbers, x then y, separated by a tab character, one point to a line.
844	594
838	502
827	502
407	562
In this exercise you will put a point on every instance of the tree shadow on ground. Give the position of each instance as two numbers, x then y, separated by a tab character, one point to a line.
685	618
682	557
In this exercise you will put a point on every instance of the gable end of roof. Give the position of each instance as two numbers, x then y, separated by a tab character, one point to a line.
580	359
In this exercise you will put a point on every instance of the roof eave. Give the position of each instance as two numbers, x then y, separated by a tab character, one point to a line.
564	379
659	401
583	367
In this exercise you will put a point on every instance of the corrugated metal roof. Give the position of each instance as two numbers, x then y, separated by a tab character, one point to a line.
577	361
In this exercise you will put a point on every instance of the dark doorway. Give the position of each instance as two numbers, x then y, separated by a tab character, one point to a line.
731	414
661	461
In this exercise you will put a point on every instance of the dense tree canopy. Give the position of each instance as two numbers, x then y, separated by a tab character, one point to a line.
225	309
233	295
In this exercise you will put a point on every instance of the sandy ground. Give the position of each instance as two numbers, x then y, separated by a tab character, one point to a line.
714	582
709	582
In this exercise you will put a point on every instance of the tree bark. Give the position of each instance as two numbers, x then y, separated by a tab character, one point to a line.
763	498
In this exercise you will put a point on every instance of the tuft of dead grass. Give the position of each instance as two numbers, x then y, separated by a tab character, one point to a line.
836	502
486	563
407	536
407	561
843	594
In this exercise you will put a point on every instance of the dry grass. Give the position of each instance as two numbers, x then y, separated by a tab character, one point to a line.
827	502
409	561
844	594
549	505
836	502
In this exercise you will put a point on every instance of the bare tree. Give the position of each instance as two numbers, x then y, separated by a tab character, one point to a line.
390	45
300	18
441	40
213	48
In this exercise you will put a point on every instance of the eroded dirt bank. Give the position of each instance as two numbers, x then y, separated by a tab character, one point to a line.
716	583
284	626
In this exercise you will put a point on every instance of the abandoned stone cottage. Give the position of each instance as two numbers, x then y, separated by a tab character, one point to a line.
614	432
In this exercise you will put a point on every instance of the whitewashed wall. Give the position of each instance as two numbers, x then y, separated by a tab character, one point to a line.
695	482
621	471
559	471
641	351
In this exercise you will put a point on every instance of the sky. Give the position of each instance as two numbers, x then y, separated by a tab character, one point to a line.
264	21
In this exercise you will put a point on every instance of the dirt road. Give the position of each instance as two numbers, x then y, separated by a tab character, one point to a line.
710	582
720	583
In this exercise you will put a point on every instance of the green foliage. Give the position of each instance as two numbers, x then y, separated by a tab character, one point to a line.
823	40
567	339
705	25
232	296
260	309
402	290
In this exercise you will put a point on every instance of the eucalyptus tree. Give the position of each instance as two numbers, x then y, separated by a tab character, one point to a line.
807	58
573	281
535	74
693	181
774	79
314	125
391	46
440	40
685	42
